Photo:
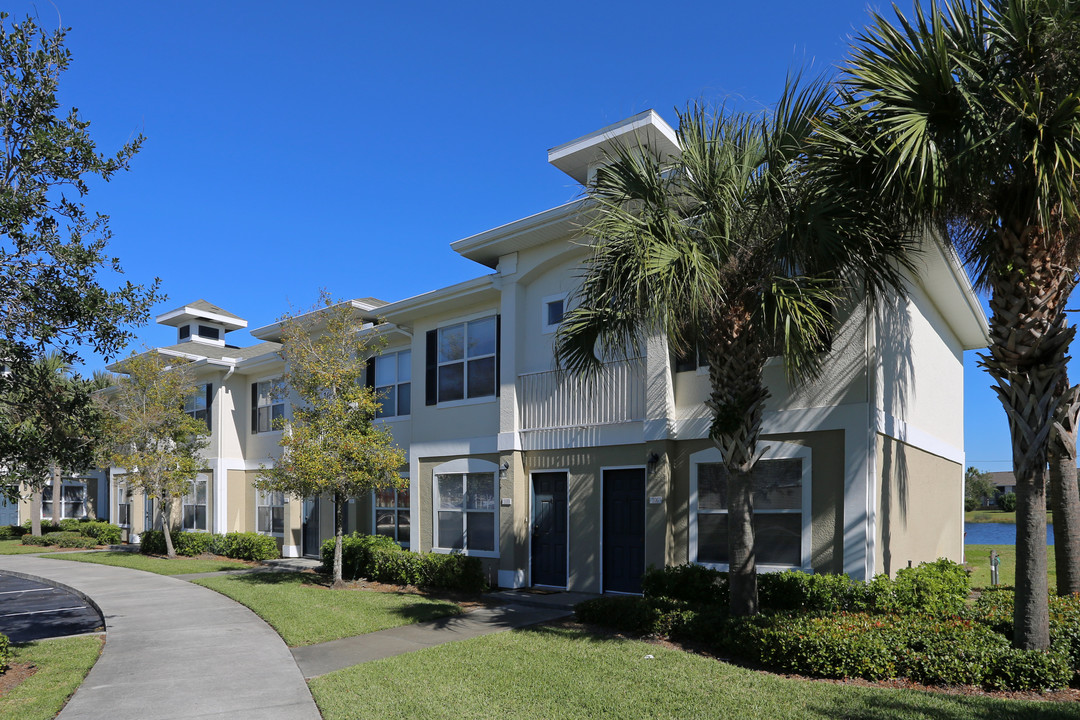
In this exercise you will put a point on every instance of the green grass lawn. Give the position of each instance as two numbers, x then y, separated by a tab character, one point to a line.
304	611
61	664
15	547
159	565
994	516
548	673
978	558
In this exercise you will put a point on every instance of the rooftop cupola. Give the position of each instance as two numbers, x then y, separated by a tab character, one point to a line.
201	322
580	158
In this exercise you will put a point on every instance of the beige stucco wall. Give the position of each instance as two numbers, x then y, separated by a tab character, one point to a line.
240	503
920	507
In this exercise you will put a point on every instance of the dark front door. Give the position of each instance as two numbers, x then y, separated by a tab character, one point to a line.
549	529
624	530
311	527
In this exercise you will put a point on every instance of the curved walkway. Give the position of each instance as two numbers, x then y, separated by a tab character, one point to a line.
175	650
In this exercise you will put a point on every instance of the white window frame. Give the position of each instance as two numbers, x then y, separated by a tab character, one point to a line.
264	499
194	495
123	499
464	362
397	509
272	382
398	382
191	404
464	466
66	483
775	451
545	327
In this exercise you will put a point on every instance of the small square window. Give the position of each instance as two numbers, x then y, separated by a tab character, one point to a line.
552	310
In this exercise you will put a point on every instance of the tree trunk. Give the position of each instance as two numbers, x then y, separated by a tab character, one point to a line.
737	398
57	492
166	521
1029	337
1064	495
35	513
339	527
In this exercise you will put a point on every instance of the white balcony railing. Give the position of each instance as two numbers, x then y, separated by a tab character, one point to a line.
616	394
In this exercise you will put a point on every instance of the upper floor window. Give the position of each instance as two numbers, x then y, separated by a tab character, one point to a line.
391	376
198	404
551	312
210	333
267	407
462	361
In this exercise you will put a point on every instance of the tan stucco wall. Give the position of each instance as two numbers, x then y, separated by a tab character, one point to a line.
920	507
240	503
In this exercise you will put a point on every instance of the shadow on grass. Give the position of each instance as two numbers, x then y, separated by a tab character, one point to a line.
887	705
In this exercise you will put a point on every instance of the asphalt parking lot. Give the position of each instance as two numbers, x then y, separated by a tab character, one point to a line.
31	610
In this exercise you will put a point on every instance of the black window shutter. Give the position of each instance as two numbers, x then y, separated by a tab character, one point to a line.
369	376
498	353
431	377
254	408
209	405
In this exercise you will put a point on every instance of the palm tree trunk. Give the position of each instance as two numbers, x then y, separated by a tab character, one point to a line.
35	513
339	526
1028	340
1064	495
737	399
57	488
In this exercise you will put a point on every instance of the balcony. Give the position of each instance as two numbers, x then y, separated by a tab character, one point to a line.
556	400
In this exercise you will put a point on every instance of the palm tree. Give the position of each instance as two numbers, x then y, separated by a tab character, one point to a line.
967	119
726	249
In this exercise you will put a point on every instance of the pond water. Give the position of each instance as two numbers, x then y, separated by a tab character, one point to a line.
997	534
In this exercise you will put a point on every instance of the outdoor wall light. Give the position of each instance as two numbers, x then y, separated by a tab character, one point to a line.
653	460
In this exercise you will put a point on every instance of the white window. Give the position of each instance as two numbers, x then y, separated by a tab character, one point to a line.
393	376
466	513
270	512
552	309
466	360
392	514
781	482
267	406
198	404
72	500
123	506
194	504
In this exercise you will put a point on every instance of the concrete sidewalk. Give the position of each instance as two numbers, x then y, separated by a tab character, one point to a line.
175	650
315	660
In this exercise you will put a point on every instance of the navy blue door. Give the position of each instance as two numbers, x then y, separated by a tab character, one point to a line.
549	529
311	527
624	530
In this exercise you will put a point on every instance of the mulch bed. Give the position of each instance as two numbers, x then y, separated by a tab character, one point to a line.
16	673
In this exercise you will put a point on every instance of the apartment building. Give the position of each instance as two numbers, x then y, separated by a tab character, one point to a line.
562	482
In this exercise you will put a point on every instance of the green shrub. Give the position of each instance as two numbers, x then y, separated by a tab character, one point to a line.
105	533
39	540
12	532
59	538
1014	669
246	546
626	613
994	608
152	542
694	584
939	588
5	653
379	558
70	524
793	590
191	544
1007	502
46	526
971	504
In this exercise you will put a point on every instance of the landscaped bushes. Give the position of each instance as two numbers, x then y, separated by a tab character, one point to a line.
12	532
5	653
1007	502
46	526
917	626
379	558
105	533
100	533
60	539
241	546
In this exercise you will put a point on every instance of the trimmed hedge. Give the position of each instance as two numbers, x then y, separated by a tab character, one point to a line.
46	526
5	653
60	539
379	558
12	532
105	533
240	546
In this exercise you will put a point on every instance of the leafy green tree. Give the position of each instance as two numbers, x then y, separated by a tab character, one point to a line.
331	445
965	119
978	486
52	249
150	436
58	428
726	250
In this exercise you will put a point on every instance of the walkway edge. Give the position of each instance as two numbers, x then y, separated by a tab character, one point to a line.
60	586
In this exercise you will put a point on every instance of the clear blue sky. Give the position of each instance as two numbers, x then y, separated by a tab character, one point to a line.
295	146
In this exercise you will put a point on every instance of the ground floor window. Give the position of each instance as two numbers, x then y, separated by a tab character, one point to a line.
466	509
194	504
392	514
72	500
123	506
781	481
270	512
